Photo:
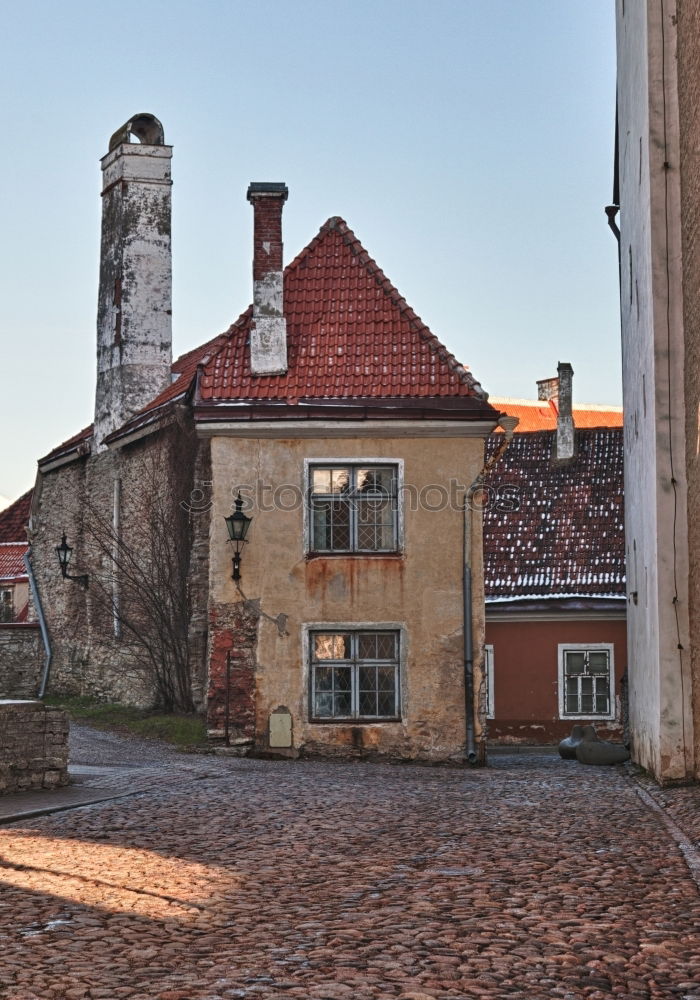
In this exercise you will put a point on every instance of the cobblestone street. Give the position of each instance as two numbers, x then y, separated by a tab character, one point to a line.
223	878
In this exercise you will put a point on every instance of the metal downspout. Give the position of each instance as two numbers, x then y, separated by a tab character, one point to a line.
468	637
42	625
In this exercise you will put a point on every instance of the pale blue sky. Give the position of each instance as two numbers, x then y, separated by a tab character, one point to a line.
468	144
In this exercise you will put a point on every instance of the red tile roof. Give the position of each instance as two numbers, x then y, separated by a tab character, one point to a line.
350	335
539	415
14	519
11	562
566	537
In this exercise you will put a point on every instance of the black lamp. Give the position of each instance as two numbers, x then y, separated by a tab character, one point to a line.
237	524
64	551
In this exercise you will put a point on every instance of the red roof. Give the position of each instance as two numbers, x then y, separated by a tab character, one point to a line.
11	562
14	519
565	537
350	335
541	415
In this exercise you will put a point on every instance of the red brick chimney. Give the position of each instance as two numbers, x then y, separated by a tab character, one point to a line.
268	336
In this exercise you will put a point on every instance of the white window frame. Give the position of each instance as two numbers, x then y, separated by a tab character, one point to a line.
329	462
7	601
398	628
488	674
578	647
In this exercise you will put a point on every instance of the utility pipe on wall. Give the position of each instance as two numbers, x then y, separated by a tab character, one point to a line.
42	625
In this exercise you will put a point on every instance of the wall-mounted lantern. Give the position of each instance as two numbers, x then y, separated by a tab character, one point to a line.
64	552
237	524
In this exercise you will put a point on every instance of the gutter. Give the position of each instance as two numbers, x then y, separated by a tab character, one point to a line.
42	625
508	424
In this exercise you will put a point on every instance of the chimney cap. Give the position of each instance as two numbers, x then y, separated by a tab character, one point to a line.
147	129
267	189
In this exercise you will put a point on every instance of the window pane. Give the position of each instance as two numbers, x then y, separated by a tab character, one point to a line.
586	704
586	685
321	480
321	525
342	678
330	480
323	705
380	481
376	520
575	663
324	678
572	703
331	524
386	704
343	703
340	524
598	662
602	703
335	646
368	703
376	646
386	646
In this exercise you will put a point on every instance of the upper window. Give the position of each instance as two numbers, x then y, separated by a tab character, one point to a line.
353	507
7	609
355	674
586	678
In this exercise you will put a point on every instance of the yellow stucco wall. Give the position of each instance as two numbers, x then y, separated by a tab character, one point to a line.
420	590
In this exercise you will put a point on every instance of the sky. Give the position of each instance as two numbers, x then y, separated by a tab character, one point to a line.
469	146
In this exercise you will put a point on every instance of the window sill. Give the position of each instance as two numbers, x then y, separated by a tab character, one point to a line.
350	721
393	554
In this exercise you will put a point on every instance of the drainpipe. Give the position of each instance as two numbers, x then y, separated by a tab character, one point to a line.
508	424
42	625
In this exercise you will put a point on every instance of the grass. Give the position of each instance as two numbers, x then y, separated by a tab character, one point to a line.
184	731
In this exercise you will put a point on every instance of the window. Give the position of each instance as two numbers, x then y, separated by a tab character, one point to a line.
354	674
586	681
488	677
7	609
353	507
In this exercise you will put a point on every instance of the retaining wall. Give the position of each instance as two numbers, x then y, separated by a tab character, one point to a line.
33	746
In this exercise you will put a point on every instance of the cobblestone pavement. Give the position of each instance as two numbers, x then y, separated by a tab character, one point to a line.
230	878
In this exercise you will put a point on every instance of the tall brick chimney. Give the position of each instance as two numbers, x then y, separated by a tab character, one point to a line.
268	336
564	446
134	310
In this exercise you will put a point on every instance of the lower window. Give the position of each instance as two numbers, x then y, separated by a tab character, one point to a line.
355	674
586	681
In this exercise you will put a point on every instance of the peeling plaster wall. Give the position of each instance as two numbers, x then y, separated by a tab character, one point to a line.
653	355
421	591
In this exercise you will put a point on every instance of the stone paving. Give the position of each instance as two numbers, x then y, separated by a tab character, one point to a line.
233	878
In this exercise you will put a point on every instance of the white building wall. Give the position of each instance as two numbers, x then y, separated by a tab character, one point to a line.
652	371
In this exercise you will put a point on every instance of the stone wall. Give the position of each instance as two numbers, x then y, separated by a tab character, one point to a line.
21	660
97	500
33	746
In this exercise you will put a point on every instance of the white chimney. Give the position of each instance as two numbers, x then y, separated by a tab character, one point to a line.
134	311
